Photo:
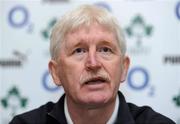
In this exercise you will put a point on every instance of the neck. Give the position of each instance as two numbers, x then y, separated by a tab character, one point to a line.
96	115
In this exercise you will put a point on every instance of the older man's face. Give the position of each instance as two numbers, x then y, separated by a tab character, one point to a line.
90	66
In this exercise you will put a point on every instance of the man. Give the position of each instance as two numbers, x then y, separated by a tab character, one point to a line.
88	60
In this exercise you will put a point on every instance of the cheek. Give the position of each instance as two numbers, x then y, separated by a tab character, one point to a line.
115	71
69	74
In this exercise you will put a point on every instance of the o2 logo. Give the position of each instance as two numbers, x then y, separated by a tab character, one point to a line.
47	83
138	79
178	10
18	17
104	5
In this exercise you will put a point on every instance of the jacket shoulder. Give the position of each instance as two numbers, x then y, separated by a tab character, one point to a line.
147	115
36	116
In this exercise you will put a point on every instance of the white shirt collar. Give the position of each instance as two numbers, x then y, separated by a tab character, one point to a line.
115	112
68	118
110	121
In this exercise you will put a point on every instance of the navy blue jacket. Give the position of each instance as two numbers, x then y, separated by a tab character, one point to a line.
53	113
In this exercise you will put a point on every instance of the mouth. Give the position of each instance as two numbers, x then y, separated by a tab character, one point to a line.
97	80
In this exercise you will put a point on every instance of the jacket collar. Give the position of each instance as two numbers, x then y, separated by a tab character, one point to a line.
57	112
124	114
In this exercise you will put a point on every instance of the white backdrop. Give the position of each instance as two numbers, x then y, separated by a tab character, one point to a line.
152	30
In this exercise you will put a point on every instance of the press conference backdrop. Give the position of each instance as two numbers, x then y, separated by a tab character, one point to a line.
152	31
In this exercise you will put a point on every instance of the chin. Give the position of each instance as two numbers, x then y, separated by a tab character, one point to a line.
96	99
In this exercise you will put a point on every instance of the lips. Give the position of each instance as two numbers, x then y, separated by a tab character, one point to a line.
96	80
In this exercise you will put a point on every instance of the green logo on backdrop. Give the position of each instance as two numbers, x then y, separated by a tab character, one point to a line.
138	29
176	100
13	100
46	32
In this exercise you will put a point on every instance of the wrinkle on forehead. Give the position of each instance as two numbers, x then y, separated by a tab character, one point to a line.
88	27
90	34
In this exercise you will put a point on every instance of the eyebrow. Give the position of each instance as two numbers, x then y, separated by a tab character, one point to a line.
78	43
73	45
82	43
108	43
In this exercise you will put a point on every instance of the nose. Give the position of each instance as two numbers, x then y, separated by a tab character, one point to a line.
92	62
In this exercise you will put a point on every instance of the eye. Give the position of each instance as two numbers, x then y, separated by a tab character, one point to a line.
105	50
79	50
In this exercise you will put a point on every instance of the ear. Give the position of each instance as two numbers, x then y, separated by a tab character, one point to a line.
126	63
53	69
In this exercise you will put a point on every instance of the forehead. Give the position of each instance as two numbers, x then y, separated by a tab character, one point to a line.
92	33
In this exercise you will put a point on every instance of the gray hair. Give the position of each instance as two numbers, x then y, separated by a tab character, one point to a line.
84	15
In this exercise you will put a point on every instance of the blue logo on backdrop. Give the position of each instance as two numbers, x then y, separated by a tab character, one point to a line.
19	17
138	79
104	5
133	78
178	10
13	16
46	82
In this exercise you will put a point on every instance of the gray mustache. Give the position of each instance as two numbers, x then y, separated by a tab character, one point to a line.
89	76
